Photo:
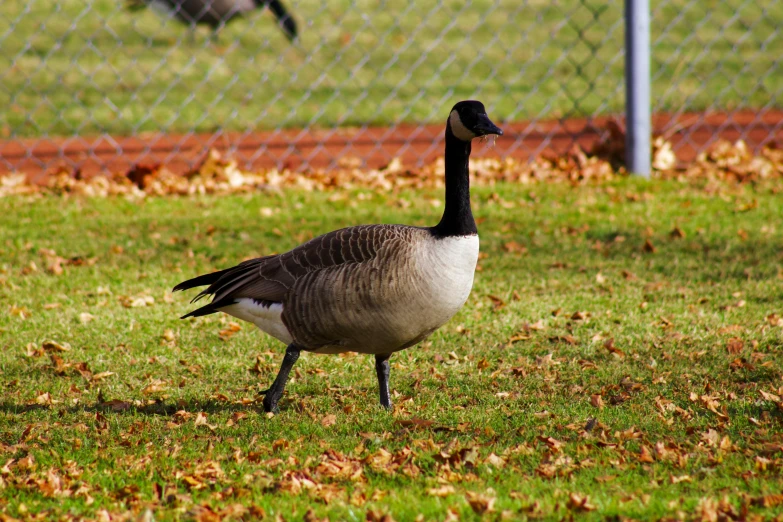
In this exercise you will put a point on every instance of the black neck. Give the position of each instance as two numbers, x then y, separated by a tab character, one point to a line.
457	217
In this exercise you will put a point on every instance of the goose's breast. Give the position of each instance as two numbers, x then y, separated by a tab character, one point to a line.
446	268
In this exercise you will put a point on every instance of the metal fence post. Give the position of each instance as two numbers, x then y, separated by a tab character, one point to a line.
637	87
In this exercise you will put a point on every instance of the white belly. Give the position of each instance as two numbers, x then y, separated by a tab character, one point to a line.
267	318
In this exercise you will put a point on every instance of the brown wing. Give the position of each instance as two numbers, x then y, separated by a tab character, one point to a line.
268	279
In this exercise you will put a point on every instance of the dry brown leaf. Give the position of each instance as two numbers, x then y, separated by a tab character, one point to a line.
169	336
681	478
235	418
44	399
441	491
415	423
735	345
138	301
228	332
480	503
677	233
156	386
53	346
497	303
645	455
578	502
767	501
377	516
310	516
597	401
609	345
512	247
769	396
496	461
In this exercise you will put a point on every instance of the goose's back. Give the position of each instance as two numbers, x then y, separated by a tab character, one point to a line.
212	12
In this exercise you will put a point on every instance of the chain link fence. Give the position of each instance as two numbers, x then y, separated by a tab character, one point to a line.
103	84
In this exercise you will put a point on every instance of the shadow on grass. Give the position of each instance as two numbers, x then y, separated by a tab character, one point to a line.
119	407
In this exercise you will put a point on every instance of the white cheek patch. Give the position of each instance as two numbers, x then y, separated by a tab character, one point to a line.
458	128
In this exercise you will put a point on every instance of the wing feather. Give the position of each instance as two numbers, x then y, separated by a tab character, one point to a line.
270	278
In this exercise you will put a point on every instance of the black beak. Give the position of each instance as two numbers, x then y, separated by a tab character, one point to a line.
484	126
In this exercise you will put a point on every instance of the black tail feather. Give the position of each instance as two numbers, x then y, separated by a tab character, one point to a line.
204	310
221	285
202	280
210	308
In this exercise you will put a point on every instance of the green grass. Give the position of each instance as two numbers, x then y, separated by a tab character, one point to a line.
483	393
67	69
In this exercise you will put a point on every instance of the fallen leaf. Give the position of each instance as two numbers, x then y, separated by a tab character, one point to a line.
496	461
735	345
767	501
578	502
415	423
512	247
645	455
677	233
156	386
480	503
442	491
497	303
609	345
136	301
55	346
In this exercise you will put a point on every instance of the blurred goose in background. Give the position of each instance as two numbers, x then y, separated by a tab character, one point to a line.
374	289
217	13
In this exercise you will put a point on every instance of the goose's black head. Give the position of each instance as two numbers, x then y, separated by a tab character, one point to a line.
468	120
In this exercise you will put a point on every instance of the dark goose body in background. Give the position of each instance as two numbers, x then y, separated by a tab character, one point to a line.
217	13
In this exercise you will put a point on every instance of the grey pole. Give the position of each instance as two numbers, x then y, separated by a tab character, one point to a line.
637	87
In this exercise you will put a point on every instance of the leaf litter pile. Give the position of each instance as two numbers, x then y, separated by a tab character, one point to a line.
620	356
218	175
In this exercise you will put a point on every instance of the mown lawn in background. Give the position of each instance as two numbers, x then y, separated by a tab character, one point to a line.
73	67
585	364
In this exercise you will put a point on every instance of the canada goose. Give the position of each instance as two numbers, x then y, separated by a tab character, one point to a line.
373	289
220	12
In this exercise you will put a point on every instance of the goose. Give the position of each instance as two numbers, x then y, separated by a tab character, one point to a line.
216	13
372	289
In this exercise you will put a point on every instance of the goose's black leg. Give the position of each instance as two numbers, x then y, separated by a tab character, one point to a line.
284	19
382	370
273	394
